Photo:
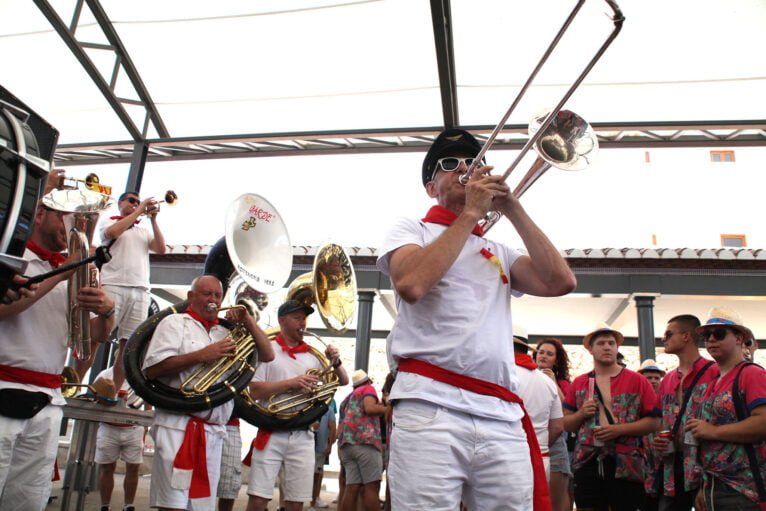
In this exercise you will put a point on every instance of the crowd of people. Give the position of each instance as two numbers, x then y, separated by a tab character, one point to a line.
473	415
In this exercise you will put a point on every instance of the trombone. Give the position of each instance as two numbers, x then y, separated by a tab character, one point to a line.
542	129
208	374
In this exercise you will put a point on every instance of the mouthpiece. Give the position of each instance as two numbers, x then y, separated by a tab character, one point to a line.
211	307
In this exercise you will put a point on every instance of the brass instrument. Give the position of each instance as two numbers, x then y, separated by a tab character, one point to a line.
171	198
570	135
211	373
70	382
84	206
91	182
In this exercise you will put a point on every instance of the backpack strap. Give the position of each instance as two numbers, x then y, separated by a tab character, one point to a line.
742	414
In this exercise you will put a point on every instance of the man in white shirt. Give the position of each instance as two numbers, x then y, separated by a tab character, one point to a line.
180	344
451	340
540	395
33	352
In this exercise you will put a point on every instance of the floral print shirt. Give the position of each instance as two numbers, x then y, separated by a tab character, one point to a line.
632	399
669	404
727	461
356	427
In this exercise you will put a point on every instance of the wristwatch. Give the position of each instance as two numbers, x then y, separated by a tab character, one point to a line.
107	315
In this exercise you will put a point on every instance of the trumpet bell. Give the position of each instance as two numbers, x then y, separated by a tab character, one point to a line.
171	197
258	243
569	142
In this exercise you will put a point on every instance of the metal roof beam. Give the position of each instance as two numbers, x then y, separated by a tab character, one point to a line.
441	16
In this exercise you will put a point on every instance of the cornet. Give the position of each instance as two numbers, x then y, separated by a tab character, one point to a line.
170	199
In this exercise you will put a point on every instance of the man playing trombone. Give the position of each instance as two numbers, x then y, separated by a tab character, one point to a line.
456	379
33	352
180	345
294	448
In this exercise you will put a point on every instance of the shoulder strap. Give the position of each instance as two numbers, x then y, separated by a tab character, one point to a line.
742	414
688	395
601	400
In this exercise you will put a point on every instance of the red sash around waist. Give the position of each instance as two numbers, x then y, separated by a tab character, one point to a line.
21	375
190	463
540	496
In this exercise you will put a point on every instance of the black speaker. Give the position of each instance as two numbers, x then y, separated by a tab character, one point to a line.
27	143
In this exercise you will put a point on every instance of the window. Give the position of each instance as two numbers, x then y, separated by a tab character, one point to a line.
733	240
717	156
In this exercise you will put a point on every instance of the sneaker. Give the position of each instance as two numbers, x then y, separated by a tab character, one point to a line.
321	504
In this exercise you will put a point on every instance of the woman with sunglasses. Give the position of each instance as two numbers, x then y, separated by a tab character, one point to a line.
553	361
730	423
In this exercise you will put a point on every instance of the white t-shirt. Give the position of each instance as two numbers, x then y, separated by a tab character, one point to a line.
284	367
36	339
463	324
179	334
541	399
130	257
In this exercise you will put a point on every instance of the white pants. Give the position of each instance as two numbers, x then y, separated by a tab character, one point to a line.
131	308
167	441
441	456
27	453
294	450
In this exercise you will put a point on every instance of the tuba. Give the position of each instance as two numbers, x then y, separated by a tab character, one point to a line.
331	287
84	205
261	252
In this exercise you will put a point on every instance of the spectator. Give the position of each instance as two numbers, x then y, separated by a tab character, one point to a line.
324	438
652	372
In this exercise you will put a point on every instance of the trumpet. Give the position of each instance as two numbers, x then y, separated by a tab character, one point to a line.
170	199
210	373
91	182
564	119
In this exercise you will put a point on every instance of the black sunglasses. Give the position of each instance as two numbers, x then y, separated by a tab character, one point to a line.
719	334
133	200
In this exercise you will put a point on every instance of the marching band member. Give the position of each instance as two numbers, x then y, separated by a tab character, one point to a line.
187	456
126	277
452	341
33	352
293	449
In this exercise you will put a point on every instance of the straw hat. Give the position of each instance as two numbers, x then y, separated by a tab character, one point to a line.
723	316
603	328
359	377
520	336
650	365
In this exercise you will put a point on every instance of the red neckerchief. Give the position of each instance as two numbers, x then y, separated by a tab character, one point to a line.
302	347
207	324
54	258
118	217
525	361
443	216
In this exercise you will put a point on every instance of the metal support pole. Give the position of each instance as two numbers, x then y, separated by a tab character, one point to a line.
137	165
363	330
645	311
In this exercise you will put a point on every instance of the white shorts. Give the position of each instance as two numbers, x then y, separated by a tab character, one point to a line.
441	456
28	450
296	450
166	444
113	443
131	308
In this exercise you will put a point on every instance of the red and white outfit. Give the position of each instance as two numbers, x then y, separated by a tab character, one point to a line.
541	399
179	334
446	437
294	449
126	276
118	441
35	340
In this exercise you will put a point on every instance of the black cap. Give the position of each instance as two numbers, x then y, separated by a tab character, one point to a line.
450	142
292	306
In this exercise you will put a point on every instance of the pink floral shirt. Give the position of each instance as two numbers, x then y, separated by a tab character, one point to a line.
357	427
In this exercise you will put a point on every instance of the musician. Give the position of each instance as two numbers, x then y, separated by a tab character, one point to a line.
33	352
126	277
181	342
452	340
292	449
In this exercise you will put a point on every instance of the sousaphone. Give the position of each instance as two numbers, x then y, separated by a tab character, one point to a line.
257	248
331	288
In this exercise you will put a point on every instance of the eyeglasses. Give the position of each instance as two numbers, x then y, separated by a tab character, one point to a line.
133	200
719	334
451	163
